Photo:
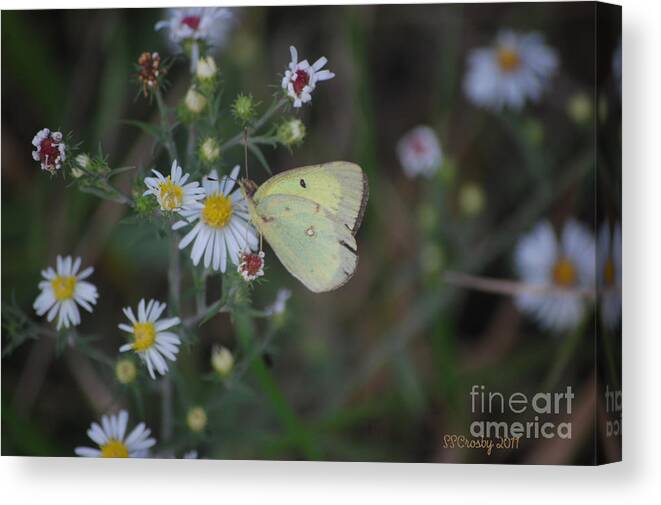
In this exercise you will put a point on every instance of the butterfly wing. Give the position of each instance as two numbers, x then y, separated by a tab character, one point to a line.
312	244
339	187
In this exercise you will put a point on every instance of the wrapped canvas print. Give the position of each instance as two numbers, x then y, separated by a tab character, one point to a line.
382	233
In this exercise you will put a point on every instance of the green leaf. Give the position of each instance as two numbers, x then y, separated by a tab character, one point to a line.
120	170
213	311
148	128
258	154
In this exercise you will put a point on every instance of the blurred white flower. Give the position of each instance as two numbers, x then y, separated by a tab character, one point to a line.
172	192
111	438
50	151
151	341
419	152
223	225
517	68
280	303
301	78
63	290
191	455
562	269
609	274
188	28
251	265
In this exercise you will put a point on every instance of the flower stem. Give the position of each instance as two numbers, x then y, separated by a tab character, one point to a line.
174	284
238	138
165	126
295	431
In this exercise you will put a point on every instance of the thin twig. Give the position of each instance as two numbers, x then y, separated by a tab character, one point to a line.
508	287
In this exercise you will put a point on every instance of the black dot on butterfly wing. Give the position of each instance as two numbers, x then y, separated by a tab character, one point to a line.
302	183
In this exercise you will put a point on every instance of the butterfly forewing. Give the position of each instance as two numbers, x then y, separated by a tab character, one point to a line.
339	187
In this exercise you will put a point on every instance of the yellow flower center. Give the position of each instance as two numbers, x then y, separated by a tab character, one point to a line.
564	273
217	211
508	59
63	286
609	272
145	336
172	196
114	449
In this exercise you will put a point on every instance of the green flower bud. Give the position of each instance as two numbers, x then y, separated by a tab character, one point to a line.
291	132
471	199
244	108
145	205
579	108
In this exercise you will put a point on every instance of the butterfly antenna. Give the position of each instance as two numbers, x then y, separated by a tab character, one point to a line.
245	150
245	161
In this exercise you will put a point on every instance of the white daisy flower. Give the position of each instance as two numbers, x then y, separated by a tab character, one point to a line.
562	269
280	303
251	265
50	150
517	68
301	78
63	290
151	341
223	226
172	192
419	152
195	26
111	438
609	274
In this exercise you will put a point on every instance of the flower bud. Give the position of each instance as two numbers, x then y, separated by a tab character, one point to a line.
291	132
209	150
222	360
471	199
196	419
125	371
206	69
82	163
244	108
579	108
195	101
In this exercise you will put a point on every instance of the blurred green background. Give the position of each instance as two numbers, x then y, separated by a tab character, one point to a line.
377	371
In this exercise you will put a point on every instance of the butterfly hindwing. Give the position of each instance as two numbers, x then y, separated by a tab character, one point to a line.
312	244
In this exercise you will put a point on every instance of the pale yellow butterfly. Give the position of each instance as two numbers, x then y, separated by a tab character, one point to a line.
309	216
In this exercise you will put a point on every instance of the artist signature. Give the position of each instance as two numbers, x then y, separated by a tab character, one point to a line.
452	441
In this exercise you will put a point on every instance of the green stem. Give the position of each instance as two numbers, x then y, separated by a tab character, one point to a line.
174	285
165	126
295	432
238	138
565	353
